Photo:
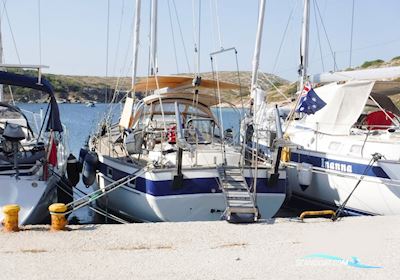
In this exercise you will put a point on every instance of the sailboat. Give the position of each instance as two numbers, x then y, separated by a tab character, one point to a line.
344	129
33	147
33	155
183	166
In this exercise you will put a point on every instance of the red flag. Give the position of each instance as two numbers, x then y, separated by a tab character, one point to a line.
52	158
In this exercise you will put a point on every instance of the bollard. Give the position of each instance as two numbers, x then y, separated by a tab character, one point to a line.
11	217
58	219
317	213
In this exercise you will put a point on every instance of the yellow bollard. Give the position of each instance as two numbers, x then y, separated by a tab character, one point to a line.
317	213
11	217
58	220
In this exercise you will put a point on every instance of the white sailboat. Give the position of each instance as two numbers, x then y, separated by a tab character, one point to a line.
185	170
33	148
33	156
347	153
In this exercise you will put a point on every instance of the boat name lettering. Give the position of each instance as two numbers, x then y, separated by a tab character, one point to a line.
332	165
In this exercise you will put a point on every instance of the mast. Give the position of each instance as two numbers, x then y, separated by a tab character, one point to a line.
256	57
304	42
136	42
153	38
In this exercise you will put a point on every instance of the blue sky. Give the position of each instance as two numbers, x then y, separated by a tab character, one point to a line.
73	34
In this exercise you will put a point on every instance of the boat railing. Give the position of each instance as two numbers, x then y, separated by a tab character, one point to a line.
35	119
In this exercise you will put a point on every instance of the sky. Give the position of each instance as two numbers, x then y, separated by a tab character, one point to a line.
73	34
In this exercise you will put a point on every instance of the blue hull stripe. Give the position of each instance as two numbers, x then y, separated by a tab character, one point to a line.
356	168
190	186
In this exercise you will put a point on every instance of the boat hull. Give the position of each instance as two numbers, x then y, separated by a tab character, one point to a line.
33	197
334	177
152	197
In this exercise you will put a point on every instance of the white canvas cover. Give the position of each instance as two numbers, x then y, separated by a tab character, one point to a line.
126	113
344	104
365	74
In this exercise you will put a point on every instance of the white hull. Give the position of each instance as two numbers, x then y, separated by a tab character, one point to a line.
128	201
31	195
329	186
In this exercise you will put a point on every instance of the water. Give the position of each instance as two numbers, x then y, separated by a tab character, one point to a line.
79	120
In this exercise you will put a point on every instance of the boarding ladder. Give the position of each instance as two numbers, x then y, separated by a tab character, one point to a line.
239	200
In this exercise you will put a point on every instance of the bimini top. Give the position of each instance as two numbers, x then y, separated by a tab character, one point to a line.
12	79
180	82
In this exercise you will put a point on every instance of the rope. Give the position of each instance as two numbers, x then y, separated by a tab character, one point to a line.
91	207
277	89
375	158
87	199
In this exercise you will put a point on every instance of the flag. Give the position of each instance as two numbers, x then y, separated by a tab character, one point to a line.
52	156
309	101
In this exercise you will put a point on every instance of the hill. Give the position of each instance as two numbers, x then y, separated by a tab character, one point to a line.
100	89
75	89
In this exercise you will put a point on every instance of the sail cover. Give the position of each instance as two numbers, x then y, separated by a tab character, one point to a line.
344	104
12	79
385	73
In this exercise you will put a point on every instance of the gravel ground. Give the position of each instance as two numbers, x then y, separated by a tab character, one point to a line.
272	249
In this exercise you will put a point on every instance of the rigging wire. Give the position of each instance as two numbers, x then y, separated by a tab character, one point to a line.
351	34
11	31
119	37
107	46
275	87
283	38
326	34
123	72
173	35
196	35
181	36
319	38
199	43
218	25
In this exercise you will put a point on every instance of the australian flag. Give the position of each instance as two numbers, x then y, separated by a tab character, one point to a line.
309	101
